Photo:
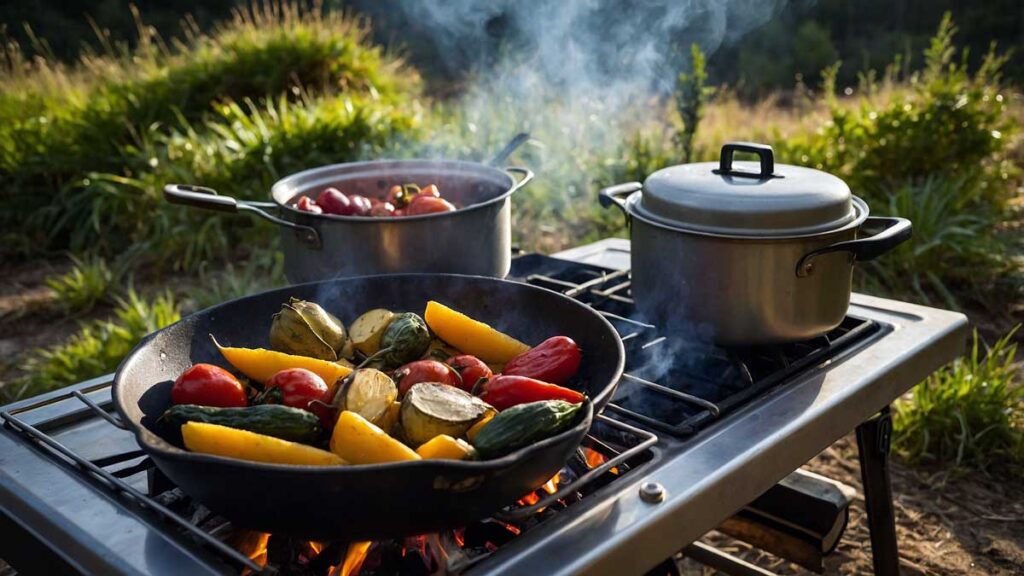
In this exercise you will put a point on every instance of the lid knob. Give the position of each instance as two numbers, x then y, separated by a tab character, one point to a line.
764	154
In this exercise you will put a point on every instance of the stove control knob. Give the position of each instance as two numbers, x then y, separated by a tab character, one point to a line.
652	492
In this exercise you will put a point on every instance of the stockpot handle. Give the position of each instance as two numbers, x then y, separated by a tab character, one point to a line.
617	195
764	154
895	231
525	175
207	198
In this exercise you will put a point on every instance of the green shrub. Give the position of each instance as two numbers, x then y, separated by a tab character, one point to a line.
264	270
969	415
88	282
96	349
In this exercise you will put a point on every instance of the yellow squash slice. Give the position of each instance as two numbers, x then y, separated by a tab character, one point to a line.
471	336
245	445
359	441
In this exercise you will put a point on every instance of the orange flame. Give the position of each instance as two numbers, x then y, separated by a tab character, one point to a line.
252	544
595	459
354	557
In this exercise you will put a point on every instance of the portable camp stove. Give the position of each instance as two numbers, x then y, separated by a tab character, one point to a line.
691	436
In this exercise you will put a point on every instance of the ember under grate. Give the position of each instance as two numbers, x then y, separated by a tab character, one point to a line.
675	385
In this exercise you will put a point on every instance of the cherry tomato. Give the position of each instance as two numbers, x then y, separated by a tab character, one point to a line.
471	369
399	212
395	195
554	360
426	371
382	209
429	205
298	388
361	205
208	385
332	201
430	191
306	204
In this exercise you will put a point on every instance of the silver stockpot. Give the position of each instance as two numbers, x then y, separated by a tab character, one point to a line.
748	253
475	239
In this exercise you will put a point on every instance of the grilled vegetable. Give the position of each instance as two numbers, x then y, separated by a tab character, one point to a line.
476	428
554	360
274	420
306	329
426	371
366	331
439	350
302	389
471	336
208	385
471	369
504	391
361	442
390	417
523	425
430	409
444	447
405	339
369	393
260	364
245	445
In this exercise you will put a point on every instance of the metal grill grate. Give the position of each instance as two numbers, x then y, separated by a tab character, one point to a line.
674	385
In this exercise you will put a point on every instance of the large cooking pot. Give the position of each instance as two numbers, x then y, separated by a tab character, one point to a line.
748	253
475	239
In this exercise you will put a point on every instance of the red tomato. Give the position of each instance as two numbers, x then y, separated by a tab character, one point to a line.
554	360
208	385
429	205
361	205
426	371
332	201
382	209
306	204
430	191
298	388
471	369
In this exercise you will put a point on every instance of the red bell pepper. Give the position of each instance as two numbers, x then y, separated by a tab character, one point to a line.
554	360
504	391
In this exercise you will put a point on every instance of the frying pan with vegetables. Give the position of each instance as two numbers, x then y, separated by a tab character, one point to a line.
375	500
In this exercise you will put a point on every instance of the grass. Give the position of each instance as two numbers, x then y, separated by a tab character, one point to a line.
968	416
89	281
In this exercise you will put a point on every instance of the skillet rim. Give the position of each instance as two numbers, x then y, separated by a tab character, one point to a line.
592	406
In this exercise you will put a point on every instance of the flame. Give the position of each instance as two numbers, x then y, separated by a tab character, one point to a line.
595	459
551	486
459	535
353	559
316	547
253	545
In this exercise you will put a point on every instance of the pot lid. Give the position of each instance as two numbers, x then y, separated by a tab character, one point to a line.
747	198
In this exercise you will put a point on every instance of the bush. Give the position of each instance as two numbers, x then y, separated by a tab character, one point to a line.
88	282
96	349
969	415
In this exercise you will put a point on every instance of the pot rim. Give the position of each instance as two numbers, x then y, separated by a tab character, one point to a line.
289	181
859	206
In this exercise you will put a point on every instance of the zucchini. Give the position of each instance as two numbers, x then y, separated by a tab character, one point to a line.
369	393
405	339
430	409
282	422
523	425
366	331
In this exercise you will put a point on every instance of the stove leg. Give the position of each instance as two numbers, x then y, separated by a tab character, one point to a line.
873	441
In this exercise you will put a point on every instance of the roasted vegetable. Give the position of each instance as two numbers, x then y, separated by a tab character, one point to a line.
471	370
523	425
471	336
439	350
444	447
390	418
260	364
503	391
305	329
369	393
274	420
554	360
475	428
426	371
208	385
302	389
430	409
359	441
366	331
405	339
245	445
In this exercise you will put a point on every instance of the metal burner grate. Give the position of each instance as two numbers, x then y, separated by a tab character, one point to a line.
678	386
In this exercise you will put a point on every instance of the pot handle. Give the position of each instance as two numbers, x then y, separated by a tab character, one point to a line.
207	198
516	141
611	195
765	156
525	175
895	232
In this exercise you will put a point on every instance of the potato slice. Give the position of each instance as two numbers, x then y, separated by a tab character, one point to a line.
369	393
430	409
366	331
245	445
471	336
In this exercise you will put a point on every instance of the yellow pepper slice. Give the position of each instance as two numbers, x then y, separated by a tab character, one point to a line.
245	445
260	364
445	447
359	441
471	336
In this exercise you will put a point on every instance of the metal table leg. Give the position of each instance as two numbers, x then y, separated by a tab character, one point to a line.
873	442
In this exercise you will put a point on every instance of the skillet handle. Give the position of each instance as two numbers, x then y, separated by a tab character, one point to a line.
525	175
611	195
207	198
895	232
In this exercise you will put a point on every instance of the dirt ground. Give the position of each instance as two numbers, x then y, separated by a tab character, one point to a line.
946	525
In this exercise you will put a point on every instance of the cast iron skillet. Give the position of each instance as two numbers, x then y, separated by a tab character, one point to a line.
370	501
